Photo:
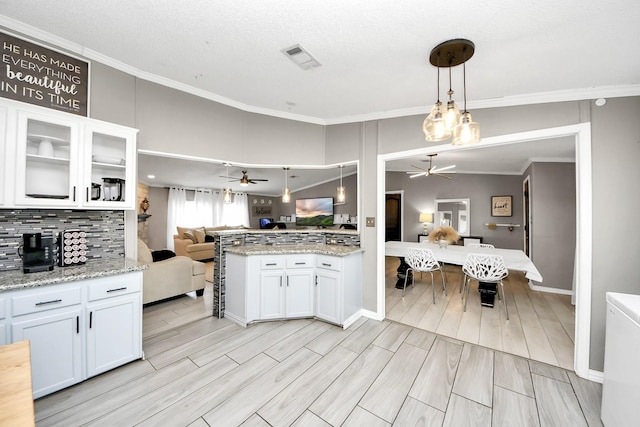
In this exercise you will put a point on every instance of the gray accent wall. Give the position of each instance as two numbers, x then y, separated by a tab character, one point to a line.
615	132
420	193
552	188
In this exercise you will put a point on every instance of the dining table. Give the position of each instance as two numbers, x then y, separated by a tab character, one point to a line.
514	259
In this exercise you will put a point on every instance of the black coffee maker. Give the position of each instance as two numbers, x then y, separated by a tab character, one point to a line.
37	253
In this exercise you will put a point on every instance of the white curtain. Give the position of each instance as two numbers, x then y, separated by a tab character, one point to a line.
203	215
184	211
176	207
236	213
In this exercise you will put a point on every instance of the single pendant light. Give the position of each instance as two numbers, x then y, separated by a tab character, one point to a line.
342	196
452	115
467	131
286	193
226	194
434	125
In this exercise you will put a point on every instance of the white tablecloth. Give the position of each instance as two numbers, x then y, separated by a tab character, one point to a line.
514	259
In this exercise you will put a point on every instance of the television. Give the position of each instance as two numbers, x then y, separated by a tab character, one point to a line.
265	221
316	212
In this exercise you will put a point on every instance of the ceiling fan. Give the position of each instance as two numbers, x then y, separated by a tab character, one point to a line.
432	170
245	180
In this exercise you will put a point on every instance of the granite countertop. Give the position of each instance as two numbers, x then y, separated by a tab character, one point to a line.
333	250
16	279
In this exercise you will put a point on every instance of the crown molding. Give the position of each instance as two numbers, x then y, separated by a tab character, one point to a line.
58	43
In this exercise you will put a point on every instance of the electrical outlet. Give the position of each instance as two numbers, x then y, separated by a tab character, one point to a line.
371	221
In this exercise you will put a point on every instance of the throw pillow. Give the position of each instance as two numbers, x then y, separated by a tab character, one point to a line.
162	254
190	235
208	238
199	233
181	231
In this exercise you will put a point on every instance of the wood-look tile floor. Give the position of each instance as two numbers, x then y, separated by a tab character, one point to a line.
211	372
540	327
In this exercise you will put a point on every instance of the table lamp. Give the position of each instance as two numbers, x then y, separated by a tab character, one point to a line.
425	219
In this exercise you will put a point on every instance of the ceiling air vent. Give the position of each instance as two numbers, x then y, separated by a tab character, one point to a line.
301	57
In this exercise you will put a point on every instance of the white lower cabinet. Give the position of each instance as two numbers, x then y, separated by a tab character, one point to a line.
3	322
299	293
56	342
328	301
113	337
266	287
79	329
286	287
271	295
338	289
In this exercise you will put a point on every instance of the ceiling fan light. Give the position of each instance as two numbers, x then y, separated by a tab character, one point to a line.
434	125
467	131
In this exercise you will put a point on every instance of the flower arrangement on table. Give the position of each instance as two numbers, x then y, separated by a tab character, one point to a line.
445	233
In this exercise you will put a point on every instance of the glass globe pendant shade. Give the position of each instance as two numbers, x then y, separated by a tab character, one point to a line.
434	125
227	195
451	116
286	195
467	131
342	196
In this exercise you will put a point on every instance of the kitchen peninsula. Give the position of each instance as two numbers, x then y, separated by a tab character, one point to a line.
322	268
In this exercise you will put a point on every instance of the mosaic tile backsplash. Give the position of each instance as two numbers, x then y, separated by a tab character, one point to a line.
105	231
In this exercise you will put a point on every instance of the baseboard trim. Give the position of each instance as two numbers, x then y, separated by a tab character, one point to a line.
371	314
235	319
596	376
549	290
351	319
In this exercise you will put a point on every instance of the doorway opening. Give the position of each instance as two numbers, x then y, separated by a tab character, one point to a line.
393	217
581	133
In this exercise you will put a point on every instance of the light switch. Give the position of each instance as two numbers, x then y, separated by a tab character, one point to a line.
371	221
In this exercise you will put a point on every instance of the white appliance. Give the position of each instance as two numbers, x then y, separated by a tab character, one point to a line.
621	388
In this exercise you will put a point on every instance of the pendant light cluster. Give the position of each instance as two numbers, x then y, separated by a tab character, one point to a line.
443	123
286	192
341	196
226	193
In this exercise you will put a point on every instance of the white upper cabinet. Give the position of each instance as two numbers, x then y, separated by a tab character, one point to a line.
47	162
109	167
58	160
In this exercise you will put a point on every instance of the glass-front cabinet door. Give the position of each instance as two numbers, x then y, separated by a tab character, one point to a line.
109	167
46	160
5	155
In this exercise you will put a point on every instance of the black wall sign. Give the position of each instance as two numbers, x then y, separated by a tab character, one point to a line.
38	75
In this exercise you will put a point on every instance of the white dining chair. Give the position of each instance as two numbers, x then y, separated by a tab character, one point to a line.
472	246
486	268
423	261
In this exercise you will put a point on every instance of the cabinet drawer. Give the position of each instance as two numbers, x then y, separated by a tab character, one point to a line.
328	262
271	263
113	286
42	301
300	262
